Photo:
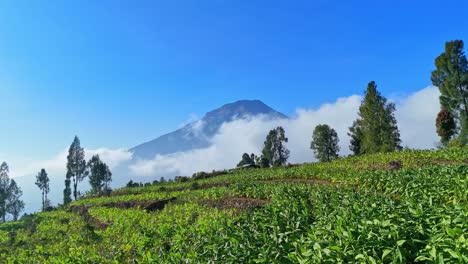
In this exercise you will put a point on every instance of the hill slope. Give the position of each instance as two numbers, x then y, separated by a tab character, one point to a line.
396	207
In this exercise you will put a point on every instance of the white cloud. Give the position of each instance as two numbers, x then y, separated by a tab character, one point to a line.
57	164
415	115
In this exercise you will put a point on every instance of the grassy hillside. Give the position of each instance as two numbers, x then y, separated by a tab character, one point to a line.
362	209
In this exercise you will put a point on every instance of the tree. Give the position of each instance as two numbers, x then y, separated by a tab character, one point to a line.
247	160
14	203
42	181
76	167
4	189
274	150
356	135
325	143
10	194
100	175
445	124
67	191
451	76
376	128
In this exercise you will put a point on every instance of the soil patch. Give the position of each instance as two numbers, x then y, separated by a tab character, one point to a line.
146	205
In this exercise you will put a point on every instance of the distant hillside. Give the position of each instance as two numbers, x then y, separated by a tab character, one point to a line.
198	134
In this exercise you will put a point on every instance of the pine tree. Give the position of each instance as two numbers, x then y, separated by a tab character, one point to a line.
325	143
76	167
42	181
274	150
451	76
376	128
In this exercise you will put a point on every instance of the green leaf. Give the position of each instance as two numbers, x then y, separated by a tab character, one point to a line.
359	256
386	252
400	242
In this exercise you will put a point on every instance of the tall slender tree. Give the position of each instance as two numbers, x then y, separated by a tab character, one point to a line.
42	181
274	149
325	143
376	128
451	76
4	190
76	166
100	175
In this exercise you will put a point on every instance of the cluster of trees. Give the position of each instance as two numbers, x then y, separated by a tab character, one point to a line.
274	152
10	195
451	76
78	169
375	129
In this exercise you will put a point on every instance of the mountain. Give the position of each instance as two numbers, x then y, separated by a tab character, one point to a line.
198	134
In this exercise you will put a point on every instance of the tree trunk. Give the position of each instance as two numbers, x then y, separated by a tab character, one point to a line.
75	186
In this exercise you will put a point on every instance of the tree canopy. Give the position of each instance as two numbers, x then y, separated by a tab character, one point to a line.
376	128
274	150
76	169
100	175
42	181
10	195
325	143
451	76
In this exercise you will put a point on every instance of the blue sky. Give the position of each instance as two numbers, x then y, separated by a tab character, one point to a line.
118	73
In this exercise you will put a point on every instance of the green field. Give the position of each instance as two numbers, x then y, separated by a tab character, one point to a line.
352	210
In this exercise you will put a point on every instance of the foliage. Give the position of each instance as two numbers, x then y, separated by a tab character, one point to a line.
274	150
247	160
42	181
99	175
445	124
10	195
451	76
351	210
376	128
325	143
76	168
13	202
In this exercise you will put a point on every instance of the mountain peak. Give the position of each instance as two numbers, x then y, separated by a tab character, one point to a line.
241	108
198	134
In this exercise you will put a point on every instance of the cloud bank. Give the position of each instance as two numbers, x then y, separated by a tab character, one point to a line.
415	115
57	165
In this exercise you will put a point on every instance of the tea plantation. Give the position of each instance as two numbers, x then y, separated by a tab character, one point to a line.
401	207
